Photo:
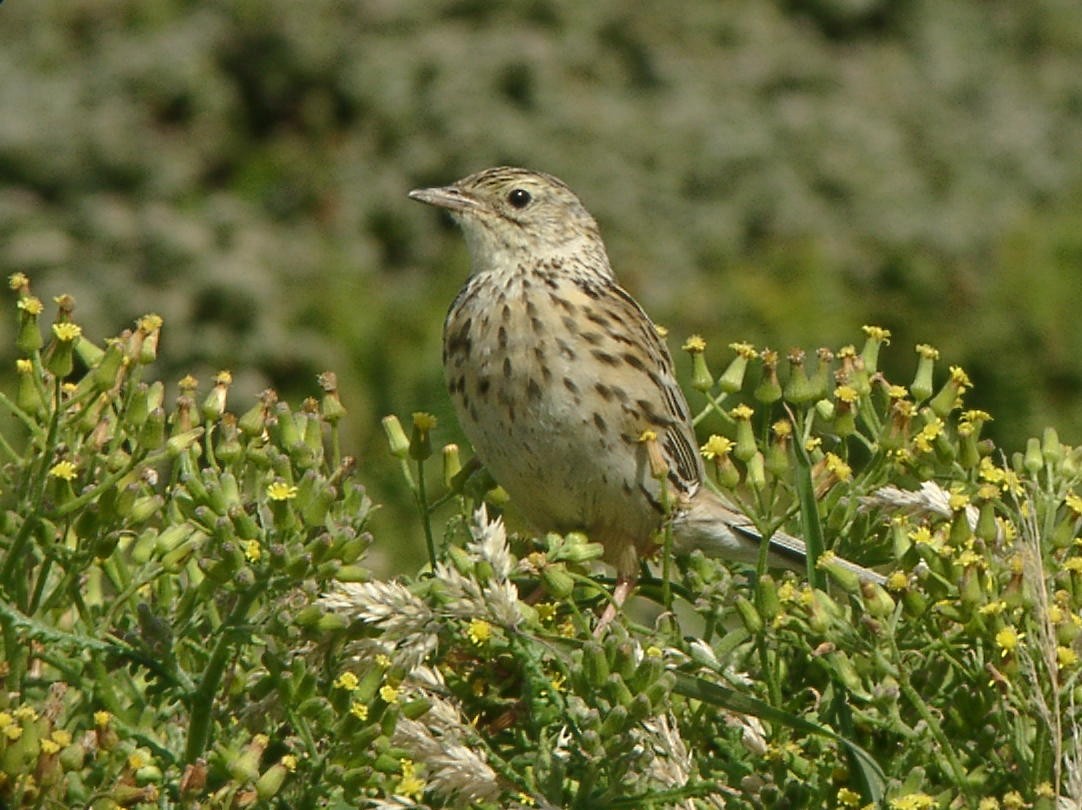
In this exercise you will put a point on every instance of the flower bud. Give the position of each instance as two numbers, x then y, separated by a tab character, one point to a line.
732	380
746	446
271	781
877	601
921	387
110	367
1033	461
29	394
148	333
595	665
245	766
60	354
749	616
420	447
29	339
396	437
799	390
558	582
769	390
756	476
214	404
330	406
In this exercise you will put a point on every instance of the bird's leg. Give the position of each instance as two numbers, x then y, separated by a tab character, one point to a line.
624	585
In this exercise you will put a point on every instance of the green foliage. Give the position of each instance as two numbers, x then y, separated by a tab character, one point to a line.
159	570
187	620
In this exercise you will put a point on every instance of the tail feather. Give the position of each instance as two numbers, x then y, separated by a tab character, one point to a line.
711	526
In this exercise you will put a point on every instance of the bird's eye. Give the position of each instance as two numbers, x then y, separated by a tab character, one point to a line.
519	197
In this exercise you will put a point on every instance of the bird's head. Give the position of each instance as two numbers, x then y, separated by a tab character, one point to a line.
511	216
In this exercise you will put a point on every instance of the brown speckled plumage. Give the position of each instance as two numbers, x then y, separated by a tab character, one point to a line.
555	372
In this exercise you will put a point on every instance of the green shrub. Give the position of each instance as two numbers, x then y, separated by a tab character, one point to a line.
186	617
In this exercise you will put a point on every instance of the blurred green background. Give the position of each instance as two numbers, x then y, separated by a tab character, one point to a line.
778	172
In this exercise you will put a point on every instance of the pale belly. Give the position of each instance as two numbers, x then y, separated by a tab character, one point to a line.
569	458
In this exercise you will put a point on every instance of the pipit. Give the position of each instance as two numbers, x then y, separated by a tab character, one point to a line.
565	388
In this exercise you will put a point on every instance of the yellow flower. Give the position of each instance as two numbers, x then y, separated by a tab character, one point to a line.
1013	800
741	413
557	682
26	713
960	378
897	581
992	608
846	393
716	447
30	305
835	465
149	323
13	732
410	785
958	501
813	443
6	720
281	491
897	392
289	762
347	681
912	801
24	366
988	803
1066	657
64	470
662	331
61	737
653	651
102	719
848	798
921	535
928	434
384	661
388	693
67	332
1074	502
1044	791
877	333
971	557
546	611
1008	639
18	280
787	592
252	551
424	422
526	800
694	345
479	631
927	352
359	710
49	747
745	350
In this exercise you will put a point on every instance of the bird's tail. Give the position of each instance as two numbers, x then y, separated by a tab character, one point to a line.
708	524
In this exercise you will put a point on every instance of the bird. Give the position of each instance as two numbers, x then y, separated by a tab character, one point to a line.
565	387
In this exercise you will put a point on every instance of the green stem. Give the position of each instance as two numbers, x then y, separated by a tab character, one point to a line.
914	698
201	701
426	520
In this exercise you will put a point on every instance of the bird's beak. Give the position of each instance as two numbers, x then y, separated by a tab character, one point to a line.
449	197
